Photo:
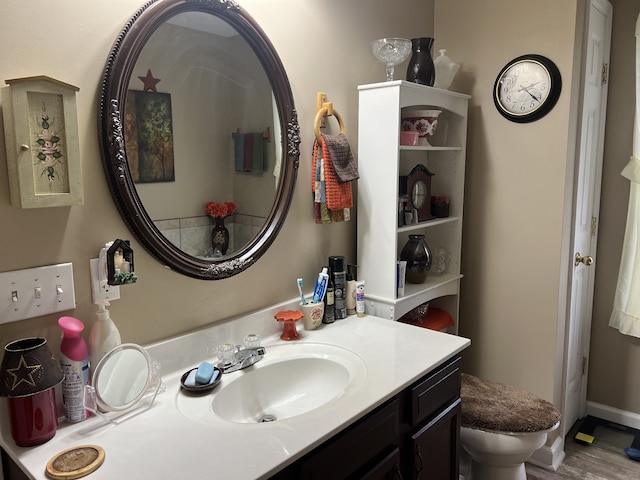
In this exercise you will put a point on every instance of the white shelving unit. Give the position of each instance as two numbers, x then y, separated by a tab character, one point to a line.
381	161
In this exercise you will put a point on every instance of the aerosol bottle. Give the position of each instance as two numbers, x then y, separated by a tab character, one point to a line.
74	361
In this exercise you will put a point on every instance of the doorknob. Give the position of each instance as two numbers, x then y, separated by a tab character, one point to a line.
587	259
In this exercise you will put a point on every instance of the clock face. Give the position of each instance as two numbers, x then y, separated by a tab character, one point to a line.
527	88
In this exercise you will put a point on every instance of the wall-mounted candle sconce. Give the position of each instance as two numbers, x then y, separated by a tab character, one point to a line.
120	267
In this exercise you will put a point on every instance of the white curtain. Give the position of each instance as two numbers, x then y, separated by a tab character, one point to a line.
626	304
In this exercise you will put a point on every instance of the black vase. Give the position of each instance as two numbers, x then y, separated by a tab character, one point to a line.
418	256
219	238
421	69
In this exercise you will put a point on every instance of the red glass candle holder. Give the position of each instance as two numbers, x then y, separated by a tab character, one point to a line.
289	318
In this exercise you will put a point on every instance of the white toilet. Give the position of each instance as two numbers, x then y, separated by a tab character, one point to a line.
501	428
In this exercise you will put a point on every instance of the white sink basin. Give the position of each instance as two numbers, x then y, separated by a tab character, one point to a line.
291	380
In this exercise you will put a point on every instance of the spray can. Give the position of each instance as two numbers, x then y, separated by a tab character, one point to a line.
74	361
339	274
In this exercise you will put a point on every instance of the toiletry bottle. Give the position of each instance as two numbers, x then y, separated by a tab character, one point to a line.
74	361
336	264
103	337
360	298
351	290
329	300
320	290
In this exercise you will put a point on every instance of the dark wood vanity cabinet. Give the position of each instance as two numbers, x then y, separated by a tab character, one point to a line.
415	435
431	432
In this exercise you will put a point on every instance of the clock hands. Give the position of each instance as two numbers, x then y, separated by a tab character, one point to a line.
526	89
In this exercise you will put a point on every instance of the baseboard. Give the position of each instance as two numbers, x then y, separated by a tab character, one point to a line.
612	414
549	457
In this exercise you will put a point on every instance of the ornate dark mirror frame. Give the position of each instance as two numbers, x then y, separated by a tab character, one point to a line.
118	71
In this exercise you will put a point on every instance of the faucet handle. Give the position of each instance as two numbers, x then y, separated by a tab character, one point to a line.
251	340
226	352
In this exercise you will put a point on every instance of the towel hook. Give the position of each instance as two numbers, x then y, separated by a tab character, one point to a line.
325	108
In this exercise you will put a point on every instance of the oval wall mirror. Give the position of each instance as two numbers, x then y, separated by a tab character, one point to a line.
196	107
121	377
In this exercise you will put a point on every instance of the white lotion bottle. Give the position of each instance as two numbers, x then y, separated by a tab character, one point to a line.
104	335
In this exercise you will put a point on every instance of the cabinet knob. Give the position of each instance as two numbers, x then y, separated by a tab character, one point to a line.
24	147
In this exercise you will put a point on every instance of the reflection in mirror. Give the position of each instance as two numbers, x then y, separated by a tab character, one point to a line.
196	107
121	377
220	104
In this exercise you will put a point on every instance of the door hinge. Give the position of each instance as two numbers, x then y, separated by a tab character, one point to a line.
594	226
605	73
584	365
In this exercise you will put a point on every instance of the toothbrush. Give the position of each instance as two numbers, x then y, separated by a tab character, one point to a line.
304	300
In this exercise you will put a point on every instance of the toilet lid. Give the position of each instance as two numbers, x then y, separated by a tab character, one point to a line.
497	407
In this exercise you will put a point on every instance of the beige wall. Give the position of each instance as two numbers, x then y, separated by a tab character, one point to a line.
324	45
515	191
513	296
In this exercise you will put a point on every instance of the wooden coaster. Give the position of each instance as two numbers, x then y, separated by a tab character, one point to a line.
75	462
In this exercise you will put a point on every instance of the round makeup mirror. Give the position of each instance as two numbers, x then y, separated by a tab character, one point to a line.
122	377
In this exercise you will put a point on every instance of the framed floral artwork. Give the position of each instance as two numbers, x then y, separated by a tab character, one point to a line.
149	137
41	135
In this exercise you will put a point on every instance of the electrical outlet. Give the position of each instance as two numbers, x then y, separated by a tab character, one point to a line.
101	291
34	292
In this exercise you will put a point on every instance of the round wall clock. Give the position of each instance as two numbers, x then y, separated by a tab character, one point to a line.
527	88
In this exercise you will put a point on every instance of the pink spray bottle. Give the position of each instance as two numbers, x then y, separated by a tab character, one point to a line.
74	361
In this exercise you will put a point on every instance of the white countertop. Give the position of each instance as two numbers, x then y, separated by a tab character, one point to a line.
163	443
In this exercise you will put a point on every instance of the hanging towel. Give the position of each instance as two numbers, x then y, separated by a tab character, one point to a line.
238	151
342	159
321	187
257	160
339	195
248	152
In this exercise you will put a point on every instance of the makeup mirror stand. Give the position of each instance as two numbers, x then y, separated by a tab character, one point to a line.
156	386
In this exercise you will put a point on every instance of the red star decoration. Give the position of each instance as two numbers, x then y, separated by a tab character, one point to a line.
149	82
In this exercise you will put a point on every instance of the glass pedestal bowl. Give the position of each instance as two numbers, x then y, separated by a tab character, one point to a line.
391	52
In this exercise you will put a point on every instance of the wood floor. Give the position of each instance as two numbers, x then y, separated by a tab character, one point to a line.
587	462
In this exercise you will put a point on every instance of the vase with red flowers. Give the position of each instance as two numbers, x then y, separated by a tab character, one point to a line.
220	233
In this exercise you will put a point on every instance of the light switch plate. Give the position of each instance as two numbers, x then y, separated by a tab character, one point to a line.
34	292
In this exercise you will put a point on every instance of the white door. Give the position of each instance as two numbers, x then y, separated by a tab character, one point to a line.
587	201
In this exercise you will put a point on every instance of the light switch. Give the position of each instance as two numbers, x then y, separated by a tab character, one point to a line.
34	292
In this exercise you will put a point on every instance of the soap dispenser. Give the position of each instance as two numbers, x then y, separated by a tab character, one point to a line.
104	335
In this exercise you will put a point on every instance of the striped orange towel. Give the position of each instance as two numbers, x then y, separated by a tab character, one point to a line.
339	195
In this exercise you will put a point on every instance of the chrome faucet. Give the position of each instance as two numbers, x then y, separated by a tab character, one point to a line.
242	358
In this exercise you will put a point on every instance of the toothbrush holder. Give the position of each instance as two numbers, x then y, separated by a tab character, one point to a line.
313	313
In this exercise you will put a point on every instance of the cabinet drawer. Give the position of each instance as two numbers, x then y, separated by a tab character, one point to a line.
356	447
435	391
